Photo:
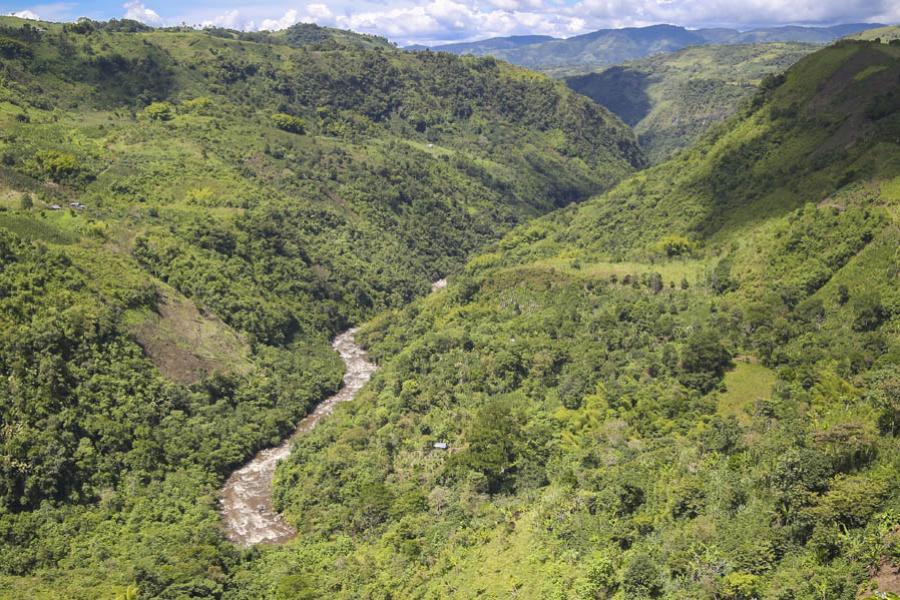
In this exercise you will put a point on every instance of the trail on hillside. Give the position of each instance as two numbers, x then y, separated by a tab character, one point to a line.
247	495
247	511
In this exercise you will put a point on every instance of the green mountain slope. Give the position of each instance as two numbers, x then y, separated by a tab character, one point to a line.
684	388
186	218
672	99
885	34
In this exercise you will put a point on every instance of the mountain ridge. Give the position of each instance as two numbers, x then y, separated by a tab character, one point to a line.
613	46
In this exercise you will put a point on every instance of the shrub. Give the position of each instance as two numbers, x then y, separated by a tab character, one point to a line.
13	49
57	165
740	586
197	104
159	111
675	245
289	123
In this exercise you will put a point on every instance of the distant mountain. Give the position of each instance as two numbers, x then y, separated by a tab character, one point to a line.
486	46
810	35
614	46
672	99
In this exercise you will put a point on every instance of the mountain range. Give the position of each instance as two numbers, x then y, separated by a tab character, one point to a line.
614	46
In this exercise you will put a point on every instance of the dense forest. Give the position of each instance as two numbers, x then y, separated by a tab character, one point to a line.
678	381
186	219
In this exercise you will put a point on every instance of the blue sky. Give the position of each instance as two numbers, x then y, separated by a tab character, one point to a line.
434	21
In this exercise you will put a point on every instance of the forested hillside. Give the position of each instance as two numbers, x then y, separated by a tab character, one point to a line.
186	219
686	388
672	99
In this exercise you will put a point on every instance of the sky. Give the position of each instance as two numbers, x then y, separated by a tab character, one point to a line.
439	21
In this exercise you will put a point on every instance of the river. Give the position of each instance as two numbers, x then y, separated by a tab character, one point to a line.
247	513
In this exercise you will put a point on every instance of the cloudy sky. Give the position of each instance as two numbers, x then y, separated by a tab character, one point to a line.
435	21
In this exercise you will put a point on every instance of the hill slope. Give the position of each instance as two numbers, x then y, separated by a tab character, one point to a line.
186	218
684	388
616	46
672	99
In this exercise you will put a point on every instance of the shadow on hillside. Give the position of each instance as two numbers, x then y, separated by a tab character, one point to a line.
620	89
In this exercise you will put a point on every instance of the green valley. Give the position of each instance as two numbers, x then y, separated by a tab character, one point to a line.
651	374
186	219
684	388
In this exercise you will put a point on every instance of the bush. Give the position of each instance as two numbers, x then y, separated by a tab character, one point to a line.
675	245
289	123
160	111
740	586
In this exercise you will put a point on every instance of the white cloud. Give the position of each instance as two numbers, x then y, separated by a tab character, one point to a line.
25	14
449	20
136	11
319	11
230	19
437	21
746	13
289	18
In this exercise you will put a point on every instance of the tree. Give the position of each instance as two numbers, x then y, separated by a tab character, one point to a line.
642	578
870	312
26	203
493	439
703	361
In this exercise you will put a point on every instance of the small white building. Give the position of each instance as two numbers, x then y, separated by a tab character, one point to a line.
440	445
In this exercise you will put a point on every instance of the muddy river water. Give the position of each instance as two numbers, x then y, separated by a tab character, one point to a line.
247	513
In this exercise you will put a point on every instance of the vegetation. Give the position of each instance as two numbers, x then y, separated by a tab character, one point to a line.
672	99
624	422
617	46
685	387
174	259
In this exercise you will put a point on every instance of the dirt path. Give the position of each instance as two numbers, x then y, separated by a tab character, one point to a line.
247	510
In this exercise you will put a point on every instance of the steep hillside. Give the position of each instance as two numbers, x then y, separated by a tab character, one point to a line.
616	46
186	218
885	34
686	388
671	100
